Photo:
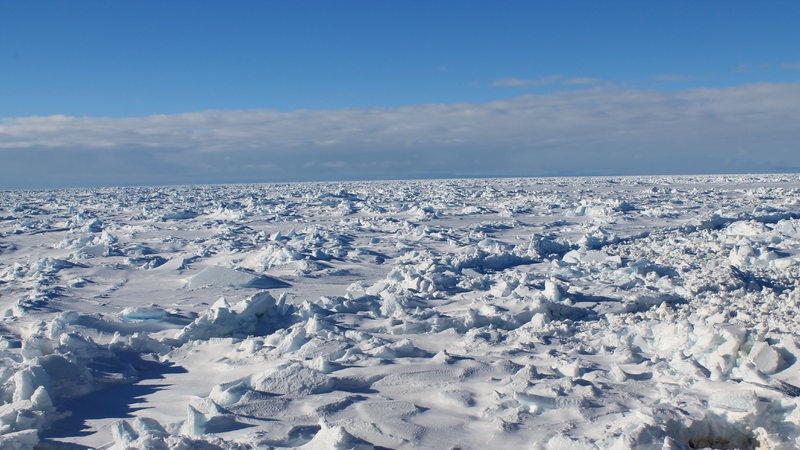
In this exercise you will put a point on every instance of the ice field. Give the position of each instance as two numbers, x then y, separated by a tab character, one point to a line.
558	313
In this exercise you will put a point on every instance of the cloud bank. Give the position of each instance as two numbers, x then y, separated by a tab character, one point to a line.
600	131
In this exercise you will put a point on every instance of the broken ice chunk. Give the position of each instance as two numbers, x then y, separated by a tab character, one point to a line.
765	358
735	401
553	291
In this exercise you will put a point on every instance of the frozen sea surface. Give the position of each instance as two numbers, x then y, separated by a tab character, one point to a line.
562	313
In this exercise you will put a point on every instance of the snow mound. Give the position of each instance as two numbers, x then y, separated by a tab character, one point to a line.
216	276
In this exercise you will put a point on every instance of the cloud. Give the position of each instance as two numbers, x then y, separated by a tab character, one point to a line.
599	131
672	77
579	81
519	82
748	68
544	81
791	66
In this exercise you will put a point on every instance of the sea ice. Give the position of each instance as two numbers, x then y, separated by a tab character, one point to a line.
626	312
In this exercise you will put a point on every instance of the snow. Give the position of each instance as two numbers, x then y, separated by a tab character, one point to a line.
633	312
224	277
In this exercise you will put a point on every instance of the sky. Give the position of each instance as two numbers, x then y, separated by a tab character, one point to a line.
99	93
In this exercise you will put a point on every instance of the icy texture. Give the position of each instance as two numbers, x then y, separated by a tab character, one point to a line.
649	312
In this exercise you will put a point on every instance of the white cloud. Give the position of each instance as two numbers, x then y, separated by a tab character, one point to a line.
590	131
519	82
672	77
791	66
545	81
579	81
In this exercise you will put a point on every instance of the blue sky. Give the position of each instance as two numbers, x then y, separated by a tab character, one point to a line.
132	92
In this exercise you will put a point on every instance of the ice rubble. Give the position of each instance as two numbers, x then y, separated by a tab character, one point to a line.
559	313
254	315
53	364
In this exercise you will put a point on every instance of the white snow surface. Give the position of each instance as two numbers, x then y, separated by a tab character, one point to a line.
561	313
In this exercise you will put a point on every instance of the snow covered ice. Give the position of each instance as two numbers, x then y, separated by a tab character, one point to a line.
562	313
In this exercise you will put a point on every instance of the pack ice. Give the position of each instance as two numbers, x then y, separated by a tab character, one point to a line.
562	313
